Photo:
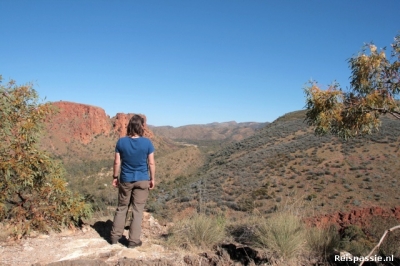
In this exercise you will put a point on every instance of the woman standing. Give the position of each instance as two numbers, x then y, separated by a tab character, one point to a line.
134	160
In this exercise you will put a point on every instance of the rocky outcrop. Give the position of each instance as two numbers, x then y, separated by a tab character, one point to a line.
82	122
78	121
120	122
78	133
87	246
359	217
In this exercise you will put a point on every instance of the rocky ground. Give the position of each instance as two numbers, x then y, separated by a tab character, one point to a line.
89	246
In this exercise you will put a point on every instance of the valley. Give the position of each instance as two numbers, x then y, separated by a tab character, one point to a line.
238	168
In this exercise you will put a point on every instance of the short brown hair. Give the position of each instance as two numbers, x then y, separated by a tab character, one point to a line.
135	126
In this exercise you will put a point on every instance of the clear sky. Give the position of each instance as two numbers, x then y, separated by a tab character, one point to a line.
188	61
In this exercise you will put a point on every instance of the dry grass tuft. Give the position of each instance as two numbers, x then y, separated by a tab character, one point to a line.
198	231
321	242
283	234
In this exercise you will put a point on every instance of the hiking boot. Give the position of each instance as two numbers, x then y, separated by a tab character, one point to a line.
134	245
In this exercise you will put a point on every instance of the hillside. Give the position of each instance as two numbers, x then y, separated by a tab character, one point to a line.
286	162
227	131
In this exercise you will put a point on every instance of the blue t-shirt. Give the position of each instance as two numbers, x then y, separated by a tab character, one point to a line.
133	153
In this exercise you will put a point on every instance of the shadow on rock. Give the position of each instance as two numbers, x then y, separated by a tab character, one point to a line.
103	229
245	255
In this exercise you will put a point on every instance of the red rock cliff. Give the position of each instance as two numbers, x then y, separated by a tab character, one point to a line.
78	121
82	122
120	122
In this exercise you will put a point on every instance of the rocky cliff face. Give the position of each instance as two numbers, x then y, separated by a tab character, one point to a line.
82	122
84	133
78	121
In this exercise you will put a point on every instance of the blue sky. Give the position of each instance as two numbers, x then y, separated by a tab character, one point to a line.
188	62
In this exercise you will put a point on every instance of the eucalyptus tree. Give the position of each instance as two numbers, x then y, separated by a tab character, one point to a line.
33	192
374	88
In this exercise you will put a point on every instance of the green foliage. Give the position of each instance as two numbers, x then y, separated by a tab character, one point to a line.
33	192
355	241
375	83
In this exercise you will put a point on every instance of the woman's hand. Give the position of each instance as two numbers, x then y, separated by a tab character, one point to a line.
152	184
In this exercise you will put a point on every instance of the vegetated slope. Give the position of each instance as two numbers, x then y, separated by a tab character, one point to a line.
285	161
227	131
184	161
83	137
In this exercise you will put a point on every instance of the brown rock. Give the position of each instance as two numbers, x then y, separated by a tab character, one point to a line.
78	121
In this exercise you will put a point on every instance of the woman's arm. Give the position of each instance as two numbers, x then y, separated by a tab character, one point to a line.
152	169
117	166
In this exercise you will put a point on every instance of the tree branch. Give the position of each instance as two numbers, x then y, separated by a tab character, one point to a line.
395	114
18	203
22	198
380	241
384	110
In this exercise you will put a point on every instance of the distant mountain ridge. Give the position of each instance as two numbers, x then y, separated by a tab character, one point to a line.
229	131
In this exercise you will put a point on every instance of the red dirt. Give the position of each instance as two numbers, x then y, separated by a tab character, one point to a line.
359	217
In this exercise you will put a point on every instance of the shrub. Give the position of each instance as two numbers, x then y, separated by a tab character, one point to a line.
33	191
311	197
198	231
283	233
355	241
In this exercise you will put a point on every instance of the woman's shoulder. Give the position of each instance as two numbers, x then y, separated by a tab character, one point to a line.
145	139
123	139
